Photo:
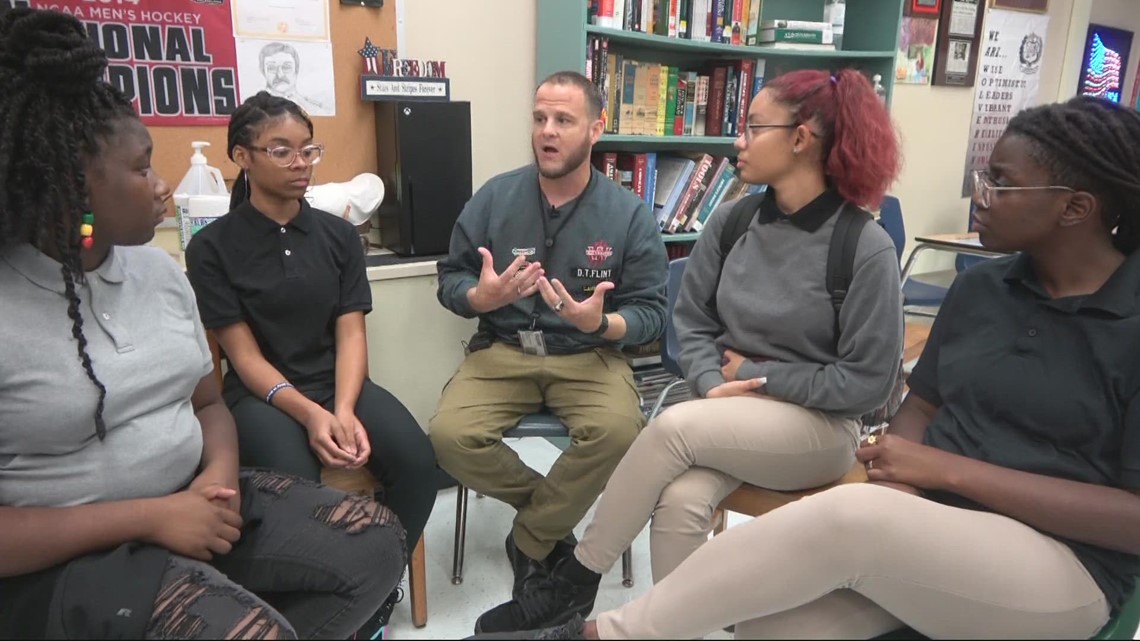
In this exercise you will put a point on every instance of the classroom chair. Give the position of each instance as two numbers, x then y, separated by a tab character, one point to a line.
541	424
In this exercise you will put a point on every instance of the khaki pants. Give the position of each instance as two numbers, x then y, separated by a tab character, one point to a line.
592	393
860	560
695	454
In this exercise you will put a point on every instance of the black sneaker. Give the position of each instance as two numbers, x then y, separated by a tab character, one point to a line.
527	571
544	603
374	628
571	630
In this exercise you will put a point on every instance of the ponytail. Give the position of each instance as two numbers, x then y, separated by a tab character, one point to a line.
859	143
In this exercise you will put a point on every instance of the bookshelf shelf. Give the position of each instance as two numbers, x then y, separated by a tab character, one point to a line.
662	43
720	144
685	237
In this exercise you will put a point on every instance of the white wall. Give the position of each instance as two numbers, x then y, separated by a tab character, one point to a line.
489	47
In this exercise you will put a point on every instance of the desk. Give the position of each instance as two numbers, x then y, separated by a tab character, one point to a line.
967	243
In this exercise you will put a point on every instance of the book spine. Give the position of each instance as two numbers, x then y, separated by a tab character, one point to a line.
753	30
702	107
650	178
682	99
718	21
670	104
728	117
744	95
691	86
662	102
737	21
605	13
715	113
798	36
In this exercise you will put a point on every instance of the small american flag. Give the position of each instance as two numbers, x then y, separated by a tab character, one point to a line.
369	53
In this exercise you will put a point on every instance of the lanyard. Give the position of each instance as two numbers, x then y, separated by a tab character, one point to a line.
550	236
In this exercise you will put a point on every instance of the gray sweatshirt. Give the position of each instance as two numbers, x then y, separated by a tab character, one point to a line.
773	304
606	234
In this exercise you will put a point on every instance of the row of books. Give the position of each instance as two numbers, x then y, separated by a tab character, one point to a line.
653	99
683	190
735	22
724	21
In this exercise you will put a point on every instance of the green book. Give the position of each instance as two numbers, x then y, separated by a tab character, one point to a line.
670	102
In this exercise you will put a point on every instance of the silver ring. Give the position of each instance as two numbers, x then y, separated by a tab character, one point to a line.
518	289
870	465
559	305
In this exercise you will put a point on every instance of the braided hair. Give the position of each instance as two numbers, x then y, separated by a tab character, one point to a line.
55	112
245	125
1091	145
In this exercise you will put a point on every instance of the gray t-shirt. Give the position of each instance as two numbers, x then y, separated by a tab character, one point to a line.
147	347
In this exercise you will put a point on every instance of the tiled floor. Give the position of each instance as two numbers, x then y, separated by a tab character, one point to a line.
452	609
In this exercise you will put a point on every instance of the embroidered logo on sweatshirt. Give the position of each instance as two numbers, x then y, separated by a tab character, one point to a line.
598	253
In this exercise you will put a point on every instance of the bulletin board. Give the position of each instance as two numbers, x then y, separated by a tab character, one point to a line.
349	137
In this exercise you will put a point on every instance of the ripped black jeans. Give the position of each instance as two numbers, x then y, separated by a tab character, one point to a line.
312	562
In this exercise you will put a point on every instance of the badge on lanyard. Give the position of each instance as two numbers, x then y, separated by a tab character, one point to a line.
532	342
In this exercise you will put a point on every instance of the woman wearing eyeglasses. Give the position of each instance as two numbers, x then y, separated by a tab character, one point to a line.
284	289
1012	470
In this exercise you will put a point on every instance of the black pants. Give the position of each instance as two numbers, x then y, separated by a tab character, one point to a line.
312	562
402	457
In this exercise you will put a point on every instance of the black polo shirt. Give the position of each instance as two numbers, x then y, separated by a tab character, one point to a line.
1041	385
288	283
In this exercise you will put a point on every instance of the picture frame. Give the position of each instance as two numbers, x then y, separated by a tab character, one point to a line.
923	8
1031	6
958	44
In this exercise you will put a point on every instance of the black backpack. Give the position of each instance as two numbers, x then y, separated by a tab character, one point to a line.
840	273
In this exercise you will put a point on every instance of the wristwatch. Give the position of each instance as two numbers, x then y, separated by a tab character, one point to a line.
603	327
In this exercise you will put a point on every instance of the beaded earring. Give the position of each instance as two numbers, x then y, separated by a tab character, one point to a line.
86	230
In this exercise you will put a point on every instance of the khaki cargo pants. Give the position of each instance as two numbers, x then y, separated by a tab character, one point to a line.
592	393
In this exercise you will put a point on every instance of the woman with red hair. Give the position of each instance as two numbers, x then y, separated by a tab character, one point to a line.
782	375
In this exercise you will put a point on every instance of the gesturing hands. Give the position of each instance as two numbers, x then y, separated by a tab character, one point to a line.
494	290
586	316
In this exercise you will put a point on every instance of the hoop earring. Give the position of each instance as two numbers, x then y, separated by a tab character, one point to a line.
87	230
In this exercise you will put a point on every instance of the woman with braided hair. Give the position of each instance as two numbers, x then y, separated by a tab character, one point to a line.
1004	501
123	513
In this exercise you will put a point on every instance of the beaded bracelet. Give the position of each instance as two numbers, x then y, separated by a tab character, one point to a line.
273	392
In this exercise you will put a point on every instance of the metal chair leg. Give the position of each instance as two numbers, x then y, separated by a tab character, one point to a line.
627	568
460	534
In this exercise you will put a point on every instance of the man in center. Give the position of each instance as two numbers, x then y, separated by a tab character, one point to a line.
561	266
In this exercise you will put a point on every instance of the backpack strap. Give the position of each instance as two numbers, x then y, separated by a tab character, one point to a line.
734	227
841	255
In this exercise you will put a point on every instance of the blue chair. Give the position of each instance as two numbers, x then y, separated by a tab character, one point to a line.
540	424
670	347
917	293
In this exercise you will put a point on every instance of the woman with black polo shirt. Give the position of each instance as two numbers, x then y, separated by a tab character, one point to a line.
283	287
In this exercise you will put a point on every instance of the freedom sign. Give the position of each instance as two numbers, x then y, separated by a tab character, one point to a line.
175	59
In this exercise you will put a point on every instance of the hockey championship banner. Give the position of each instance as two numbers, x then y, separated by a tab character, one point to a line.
175	59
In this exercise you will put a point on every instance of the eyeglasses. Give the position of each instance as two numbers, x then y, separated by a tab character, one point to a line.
284	156
750	129
984	188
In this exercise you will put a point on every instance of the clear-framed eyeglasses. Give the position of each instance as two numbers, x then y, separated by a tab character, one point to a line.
284	156
984	188
751	129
